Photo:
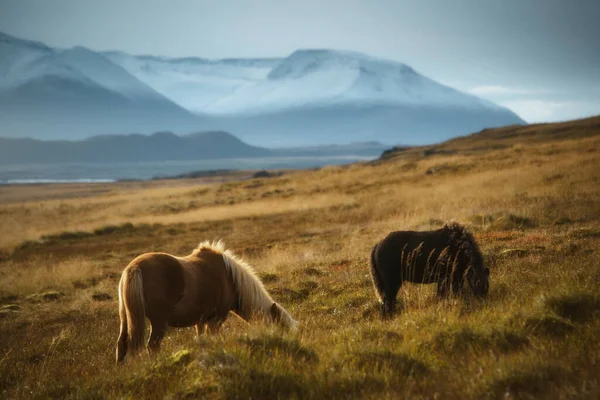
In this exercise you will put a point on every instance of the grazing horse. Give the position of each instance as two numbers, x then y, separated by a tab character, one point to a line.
444	256
199	289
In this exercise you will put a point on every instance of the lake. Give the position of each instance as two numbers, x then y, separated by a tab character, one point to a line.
101	172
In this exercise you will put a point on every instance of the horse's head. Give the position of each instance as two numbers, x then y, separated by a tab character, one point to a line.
479	280
280	316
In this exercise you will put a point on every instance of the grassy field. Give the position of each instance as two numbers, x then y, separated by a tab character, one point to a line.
531	196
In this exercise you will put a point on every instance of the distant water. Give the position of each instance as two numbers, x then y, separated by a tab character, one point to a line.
100	172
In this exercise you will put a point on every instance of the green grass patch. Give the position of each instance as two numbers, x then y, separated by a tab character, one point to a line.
548	325
272	346
180	358
524	384
268	277
9	309
112	229
466	340
386	360
101	296
578	307
502	221
386	337
45	296
66	236
584	233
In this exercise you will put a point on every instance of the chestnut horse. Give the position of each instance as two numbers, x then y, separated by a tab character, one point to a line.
199	289
444	256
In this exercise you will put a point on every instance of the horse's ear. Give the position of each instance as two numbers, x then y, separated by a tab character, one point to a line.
275	312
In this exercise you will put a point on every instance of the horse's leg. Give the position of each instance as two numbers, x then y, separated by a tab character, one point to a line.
158	330
388	308
457	284
200	328
214	325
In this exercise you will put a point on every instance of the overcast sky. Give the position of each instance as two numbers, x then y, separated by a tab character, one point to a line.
541	58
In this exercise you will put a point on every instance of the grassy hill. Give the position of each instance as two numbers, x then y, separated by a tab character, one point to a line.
529	194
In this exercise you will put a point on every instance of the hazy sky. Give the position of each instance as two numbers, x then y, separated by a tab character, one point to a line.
541	58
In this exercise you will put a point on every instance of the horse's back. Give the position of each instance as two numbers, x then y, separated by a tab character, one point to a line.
209	291
163	279
403	242
411	255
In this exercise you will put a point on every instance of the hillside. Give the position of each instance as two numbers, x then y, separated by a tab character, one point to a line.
531	199
502	138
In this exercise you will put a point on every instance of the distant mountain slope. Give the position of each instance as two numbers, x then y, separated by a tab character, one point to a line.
160	146
47	93
344	123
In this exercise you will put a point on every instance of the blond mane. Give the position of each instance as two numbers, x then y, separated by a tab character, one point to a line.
252	295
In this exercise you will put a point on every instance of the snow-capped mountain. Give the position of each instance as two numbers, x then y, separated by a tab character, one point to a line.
194	83
311	97
328	77
318	97
305	78
73	93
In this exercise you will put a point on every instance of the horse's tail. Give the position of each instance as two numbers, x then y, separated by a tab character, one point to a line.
378	282
132	312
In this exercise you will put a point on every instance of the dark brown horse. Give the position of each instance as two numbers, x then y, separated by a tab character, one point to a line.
199	289
445	256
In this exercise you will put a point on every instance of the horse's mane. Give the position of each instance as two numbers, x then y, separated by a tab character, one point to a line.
252	295
463	239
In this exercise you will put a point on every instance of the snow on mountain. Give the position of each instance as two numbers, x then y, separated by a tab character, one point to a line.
194	83
304	78
328	77
103	72
15	54
22	61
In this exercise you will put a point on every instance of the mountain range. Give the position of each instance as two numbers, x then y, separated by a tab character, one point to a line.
160	146
120	148
311	97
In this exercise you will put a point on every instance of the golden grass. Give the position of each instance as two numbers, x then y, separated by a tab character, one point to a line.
533	207
40	274
37	220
